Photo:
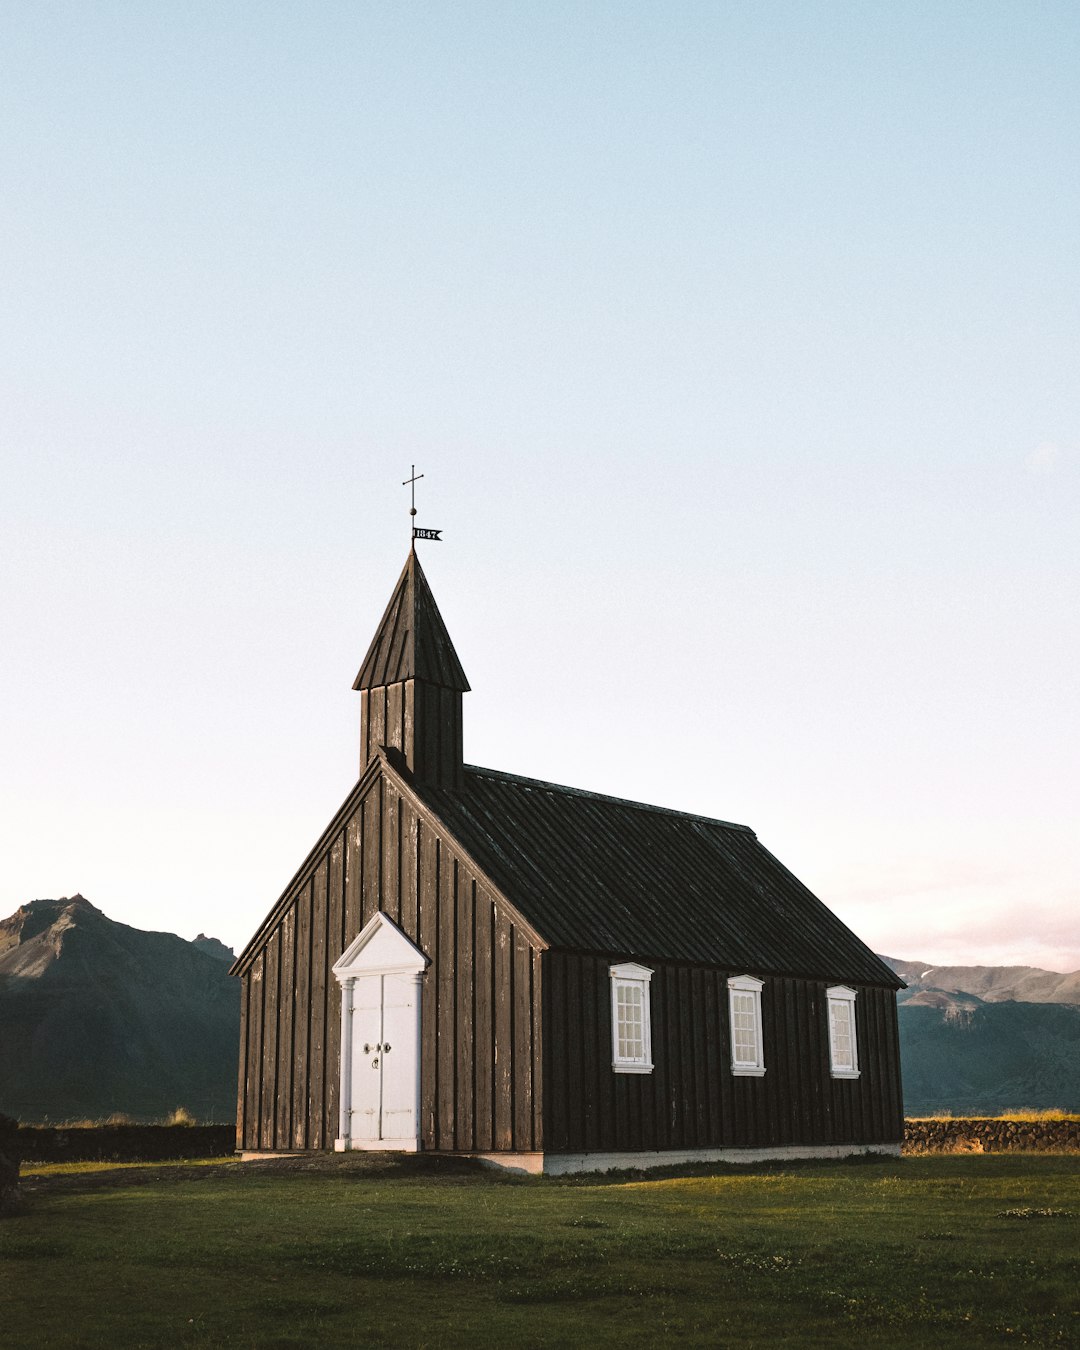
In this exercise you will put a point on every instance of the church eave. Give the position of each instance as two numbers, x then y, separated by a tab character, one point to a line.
341	815
380	766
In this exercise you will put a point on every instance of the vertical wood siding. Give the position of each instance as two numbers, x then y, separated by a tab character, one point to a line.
691	1099
481	1054
242	1074
304	909
423	721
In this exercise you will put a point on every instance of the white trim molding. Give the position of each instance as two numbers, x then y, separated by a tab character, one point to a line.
744	1014
561	1164
631	1018
843	1038
343	1140
380	948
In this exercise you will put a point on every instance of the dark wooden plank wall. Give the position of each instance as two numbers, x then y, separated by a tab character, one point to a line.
439	752
420	719
481	1005
691	1099
242	1075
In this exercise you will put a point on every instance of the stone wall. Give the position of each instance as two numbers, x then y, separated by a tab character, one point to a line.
10	1156
158	1143
986	1135
124	1143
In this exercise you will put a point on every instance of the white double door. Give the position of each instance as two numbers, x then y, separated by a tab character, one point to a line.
384	1110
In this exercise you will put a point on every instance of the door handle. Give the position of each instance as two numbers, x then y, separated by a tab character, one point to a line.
386	1047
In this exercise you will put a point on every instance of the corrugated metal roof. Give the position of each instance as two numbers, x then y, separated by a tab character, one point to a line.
598	873
411	642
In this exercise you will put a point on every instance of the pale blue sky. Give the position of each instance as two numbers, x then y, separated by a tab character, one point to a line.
740	347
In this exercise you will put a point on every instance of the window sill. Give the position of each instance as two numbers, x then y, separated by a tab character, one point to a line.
745	1071
845	1073
632	1068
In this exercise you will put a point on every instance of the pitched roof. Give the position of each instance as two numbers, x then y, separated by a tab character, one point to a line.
411	642
598	873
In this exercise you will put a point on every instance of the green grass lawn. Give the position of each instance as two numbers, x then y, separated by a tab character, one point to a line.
941	1251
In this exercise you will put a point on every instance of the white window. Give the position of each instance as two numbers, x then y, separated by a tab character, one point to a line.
744	1003
843	1044
631	1032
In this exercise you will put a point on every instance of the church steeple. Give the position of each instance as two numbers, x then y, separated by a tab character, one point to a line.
411	683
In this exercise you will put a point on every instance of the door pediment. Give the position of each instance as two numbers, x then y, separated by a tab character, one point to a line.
379	946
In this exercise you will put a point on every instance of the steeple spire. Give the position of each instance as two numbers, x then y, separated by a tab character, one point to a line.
411	683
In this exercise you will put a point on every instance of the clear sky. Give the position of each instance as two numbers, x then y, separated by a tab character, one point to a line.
739	344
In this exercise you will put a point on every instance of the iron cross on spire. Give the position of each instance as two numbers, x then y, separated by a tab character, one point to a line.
411	483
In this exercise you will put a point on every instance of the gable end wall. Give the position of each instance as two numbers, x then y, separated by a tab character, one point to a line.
481	1001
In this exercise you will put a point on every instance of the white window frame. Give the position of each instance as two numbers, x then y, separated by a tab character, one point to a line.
840	996
743	985
624	976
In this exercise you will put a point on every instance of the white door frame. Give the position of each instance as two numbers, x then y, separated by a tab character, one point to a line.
380	948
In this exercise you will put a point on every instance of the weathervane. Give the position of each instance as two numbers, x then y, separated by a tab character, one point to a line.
411	483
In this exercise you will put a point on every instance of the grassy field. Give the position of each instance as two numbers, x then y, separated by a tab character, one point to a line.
946	1251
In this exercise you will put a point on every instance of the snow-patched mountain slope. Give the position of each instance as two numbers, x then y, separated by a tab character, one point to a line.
992	984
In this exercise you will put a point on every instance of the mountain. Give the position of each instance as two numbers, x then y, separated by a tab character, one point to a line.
990	1058
99	1018
212	947
979	1040
992	984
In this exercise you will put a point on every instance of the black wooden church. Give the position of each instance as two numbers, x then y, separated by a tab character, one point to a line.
472	961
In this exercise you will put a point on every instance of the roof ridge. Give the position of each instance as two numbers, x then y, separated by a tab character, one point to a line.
607	797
